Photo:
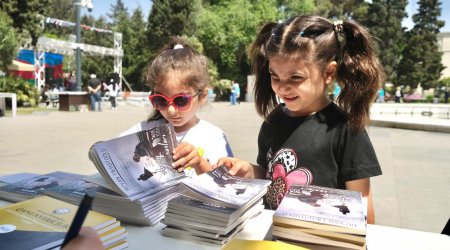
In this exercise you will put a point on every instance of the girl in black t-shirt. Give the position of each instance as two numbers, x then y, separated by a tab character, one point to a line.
309	139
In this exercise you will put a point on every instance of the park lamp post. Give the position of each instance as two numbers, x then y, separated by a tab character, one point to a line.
87	4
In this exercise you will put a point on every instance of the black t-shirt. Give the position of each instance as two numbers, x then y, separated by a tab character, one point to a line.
93	83
323	151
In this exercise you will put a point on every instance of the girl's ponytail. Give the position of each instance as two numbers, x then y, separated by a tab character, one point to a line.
358	73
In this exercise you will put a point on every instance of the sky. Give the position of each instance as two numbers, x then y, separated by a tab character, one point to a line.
103	7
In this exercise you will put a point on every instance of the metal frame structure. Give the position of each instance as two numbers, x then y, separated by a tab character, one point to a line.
46	44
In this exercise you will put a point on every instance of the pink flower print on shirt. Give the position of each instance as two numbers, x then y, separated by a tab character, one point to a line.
285	159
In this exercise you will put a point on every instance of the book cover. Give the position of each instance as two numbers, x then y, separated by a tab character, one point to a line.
42	223
259	244
35	186
218	186
72	191
321	205
137	162
11	178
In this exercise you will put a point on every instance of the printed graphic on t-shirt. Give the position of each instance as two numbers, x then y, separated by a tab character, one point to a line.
283	171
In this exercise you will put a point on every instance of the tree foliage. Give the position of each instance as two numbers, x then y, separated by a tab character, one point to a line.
170	18
94	64
231	26
118	11
27	16
421	61
338	9
223	30
135	56
385	22
8	41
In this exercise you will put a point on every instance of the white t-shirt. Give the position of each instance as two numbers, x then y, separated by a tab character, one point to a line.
112	92
203	135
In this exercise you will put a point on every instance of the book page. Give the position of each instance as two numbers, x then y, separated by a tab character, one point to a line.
139	162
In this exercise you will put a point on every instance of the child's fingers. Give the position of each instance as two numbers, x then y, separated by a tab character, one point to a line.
190	157
227	161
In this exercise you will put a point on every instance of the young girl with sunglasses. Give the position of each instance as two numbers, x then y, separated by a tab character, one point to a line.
309	139
178	79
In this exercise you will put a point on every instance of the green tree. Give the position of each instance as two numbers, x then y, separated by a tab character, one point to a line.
102	66
289	8
338	9
135	56
8	41
117	11
385	22
170	18
421	61
27	16
231	26
54	11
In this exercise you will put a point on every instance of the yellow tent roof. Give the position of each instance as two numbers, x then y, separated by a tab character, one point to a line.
20	66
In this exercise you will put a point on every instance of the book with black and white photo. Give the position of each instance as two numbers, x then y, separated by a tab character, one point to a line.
73	191
214	206
27	188
137	176
219	187
135	163
323	216
11	178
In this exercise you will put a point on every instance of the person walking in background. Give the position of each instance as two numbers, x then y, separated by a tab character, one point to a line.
113	89
398	94
178	78
380	98
233	93
72	82
94	89
309	139
238	92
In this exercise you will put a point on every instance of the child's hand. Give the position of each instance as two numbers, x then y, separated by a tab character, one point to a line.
186	155
237	167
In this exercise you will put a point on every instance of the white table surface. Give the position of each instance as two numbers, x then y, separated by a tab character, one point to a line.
378	237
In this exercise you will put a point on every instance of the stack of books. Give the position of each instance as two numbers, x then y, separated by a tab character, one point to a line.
136	175
214	206
322	218
42	223
35	185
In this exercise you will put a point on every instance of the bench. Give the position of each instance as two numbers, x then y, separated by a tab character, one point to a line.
3	96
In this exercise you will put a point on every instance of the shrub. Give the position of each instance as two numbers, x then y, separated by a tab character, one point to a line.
27	94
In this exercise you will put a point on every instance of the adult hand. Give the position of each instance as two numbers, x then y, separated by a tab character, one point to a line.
86	239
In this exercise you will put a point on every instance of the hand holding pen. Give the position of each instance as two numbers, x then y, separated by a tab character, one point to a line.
88	237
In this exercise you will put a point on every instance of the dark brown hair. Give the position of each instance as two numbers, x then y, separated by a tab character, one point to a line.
316	39
178	56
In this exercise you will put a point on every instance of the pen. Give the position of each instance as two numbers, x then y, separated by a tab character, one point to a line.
81	214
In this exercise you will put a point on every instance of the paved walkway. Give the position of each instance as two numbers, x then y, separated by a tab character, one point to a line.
413	192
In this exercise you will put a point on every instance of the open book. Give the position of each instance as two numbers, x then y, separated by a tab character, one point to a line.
136	163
